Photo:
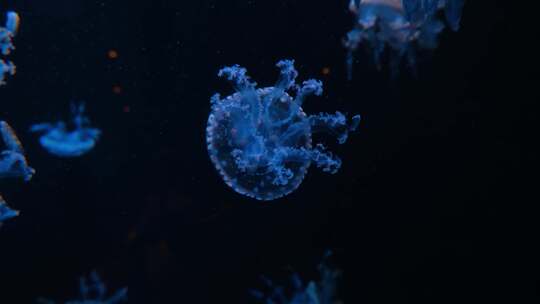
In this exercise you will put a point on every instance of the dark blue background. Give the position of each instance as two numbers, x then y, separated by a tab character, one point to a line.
430	205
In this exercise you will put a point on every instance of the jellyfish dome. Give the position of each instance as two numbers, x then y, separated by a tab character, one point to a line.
401	26
260	139
58	140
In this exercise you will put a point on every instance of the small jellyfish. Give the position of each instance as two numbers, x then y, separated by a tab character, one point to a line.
399	27
260	139
5	212
93	291
12	160
321	291
6	44
62	141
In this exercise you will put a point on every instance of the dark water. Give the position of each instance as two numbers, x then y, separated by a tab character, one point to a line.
419	213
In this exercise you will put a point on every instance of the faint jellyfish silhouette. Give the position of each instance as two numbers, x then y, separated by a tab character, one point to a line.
6	44
259	139
93	291
321	291
399	27
61	141
5	212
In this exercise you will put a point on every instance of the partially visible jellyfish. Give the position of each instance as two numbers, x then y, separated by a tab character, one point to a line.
5	211
399	27
93	291
62	141
259	139
12	160
321	291
12	164
6	44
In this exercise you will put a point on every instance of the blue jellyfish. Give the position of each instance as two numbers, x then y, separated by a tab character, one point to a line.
5	212
64	142
259	139
399	26
12	164
12	160
321	291
93	291
6	44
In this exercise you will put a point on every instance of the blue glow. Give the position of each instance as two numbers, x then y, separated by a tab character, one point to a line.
259	139
321	291
6	44
93	291
399	27
61	141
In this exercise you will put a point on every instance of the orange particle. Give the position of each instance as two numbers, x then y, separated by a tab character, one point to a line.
126	109
117	89
325	71
112	54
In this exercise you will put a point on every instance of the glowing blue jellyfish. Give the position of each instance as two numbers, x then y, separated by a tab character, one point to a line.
6	44
64	142
5	212
322	291
399	26
12	160
93	292
259	139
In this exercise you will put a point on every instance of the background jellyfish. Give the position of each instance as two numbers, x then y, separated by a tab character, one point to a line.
61	141
12	160
323	291
6	44
93	291
5	212
401	26
259	139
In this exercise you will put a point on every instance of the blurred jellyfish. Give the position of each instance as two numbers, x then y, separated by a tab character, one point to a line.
400	27
6	44
64	142
321	291
259	139
12	160
5	212
93	291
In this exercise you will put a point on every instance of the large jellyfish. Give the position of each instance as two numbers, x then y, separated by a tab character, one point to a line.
259	139
400	27
68	142
93	291
6	44
321	291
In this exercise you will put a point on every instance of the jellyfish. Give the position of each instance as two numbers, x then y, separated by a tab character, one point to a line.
93	291
5	211
399	27
61	141
321	291
6	44
12	160
260	139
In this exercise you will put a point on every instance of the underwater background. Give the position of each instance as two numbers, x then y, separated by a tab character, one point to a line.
418	213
